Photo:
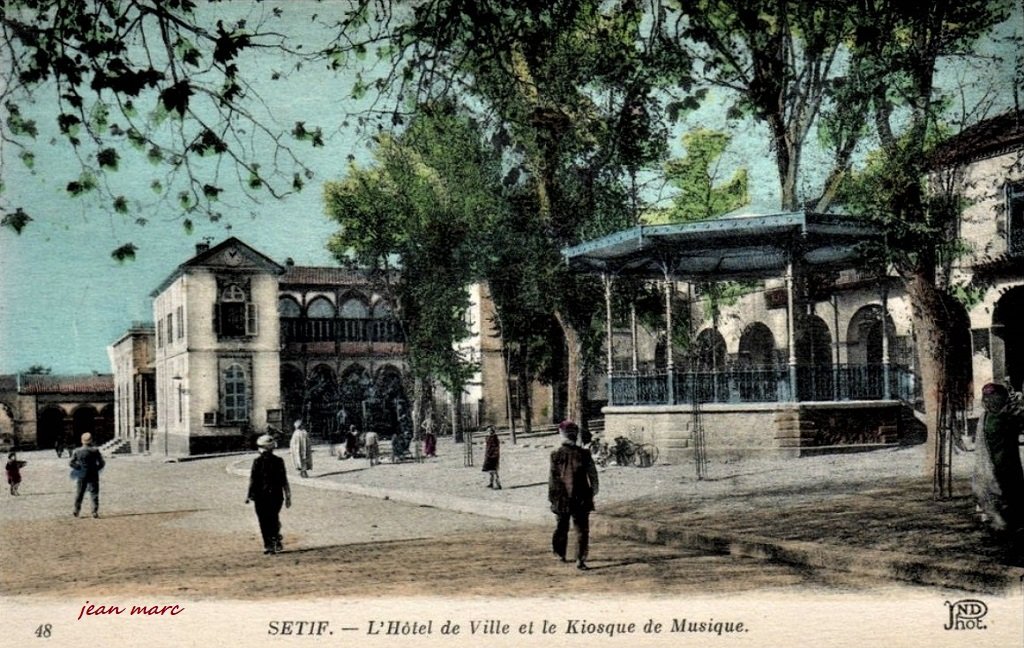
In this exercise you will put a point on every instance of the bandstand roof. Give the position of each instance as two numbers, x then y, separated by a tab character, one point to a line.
733	247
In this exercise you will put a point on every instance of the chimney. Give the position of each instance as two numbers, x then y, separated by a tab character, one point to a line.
289	262
202	247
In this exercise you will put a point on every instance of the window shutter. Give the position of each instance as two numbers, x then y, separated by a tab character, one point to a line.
217	319
252	323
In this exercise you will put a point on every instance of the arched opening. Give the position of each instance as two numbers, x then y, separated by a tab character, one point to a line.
355	316
6	423
83	420
756	381
105	425
391	407
292	394
813	346
1008	346
354	388
50	429
864	336
320	307
709	350
288	307
323	403
757	347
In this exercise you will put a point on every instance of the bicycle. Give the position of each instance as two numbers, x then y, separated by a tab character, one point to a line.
630	453
600	451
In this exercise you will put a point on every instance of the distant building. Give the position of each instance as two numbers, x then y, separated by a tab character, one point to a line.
37	411
241	345
492	396
132	357
343	356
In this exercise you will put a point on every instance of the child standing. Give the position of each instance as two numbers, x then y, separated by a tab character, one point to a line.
13	468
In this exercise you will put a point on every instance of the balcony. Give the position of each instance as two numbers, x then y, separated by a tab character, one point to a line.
310	330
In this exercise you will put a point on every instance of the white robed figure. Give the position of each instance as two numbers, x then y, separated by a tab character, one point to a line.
301	450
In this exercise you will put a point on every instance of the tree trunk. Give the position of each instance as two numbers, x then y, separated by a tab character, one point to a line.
576	384
525	399
942	328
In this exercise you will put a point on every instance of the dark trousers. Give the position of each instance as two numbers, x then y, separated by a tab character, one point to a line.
560	539
94	489
268	512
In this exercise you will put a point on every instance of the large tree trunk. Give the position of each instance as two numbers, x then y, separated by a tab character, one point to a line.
525	398
576	384
942	328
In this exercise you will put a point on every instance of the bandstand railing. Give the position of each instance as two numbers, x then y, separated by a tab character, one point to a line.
845	382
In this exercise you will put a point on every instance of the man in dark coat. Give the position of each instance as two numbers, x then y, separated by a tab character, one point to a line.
572	486
86	464
268	488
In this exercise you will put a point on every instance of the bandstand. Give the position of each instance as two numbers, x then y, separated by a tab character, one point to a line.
789	400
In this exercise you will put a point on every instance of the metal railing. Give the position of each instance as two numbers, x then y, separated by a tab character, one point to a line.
765	385
341	329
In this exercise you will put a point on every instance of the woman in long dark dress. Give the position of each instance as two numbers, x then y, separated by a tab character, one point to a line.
492	457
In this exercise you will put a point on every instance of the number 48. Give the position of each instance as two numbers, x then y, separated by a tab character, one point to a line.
43	631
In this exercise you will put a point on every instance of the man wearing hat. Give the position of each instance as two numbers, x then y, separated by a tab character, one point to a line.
572	486
301	449
86	464
268	489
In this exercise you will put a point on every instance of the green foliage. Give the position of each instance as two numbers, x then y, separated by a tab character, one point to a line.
124	253
423	204
696	176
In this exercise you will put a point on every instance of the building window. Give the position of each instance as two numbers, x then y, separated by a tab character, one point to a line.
235	387
181	321
236	317
159	333
1015	218
170	328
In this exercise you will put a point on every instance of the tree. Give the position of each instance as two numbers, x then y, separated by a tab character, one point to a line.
168	82
784	60
696	178
919	221
415	217
567	90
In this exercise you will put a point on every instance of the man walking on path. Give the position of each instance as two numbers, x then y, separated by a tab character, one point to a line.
492	457
268	488
86	464
572	486
301	449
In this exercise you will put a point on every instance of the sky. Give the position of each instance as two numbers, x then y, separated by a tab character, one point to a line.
63	299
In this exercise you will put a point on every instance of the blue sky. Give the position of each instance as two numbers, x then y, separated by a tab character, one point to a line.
63	299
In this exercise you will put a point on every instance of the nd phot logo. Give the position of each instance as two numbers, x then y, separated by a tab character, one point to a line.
966	614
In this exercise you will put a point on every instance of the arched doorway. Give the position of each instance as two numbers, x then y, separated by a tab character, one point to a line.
709	351
392	404
83	420
757	346
6	423
813	346
757	381
864	336
50	428
323	403
353	390
292	394
1008	329
104	425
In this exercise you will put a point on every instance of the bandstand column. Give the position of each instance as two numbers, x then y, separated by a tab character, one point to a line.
607	280
790	328
669	361
886	389
633	336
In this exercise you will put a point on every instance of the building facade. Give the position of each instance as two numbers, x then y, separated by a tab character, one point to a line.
41	411
132	358
216	360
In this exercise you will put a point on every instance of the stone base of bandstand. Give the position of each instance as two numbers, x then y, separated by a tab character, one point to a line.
738	431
